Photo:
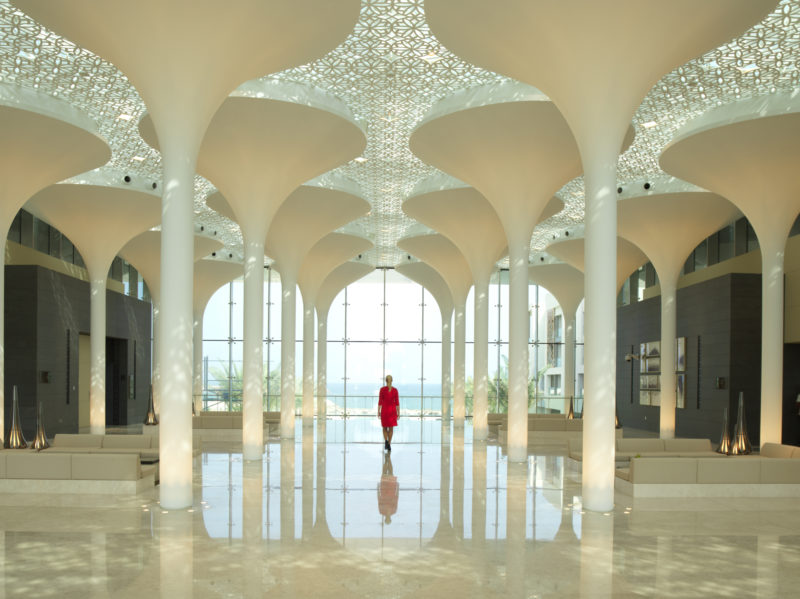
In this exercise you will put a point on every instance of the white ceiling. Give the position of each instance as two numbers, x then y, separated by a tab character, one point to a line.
389	72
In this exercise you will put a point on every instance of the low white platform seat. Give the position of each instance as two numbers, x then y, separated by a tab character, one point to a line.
775	472
25	471
227	426
550	428
145	446
655	448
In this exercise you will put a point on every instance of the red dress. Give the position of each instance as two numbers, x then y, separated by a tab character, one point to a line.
389	402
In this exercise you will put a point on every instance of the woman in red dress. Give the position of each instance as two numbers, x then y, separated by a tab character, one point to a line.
388	411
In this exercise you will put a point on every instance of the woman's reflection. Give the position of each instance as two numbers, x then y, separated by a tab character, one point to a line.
388	490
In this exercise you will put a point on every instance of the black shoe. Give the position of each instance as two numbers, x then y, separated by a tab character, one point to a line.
388	447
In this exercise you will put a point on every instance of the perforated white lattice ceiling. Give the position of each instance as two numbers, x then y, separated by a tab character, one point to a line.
389	71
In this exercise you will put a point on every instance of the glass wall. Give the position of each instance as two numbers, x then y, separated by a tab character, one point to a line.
387	324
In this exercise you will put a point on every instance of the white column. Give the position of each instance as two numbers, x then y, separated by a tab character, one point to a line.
600	326
569	358
3	346
197	383
518	333
459	351
322	364
288	295
308	363
446	379
669	312
253	348
772	250
480	398
155	379
175	322
97	350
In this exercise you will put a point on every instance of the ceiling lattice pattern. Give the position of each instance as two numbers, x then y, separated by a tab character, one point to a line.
389	71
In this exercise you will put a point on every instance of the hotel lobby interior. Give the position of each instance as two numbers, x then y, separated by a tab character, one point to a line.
569	231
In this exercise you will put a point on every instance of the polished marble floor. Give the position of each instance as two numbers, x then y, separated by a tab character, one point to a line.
329	514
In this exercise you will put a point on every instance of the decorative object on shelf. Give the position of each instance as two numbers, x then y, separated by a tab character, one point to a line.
571	410
40	441
151	419
741	442
725	438
15	438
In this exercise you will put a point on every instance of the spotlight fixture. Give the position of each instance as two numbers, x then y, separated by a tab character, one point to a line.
647	185
566	233
155	184
213	254
127	178
619	190
202	228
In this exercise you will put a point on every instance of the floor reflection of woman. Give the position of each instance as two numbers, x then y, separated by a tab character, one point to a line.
388	490
388	408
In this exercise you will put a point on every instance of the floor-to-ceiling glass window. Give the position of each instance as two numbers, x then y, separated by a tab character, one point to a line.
387	324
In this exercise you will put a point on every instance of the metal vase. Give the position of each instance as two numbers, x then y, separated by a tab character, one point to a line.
725	445
15	438
40	441
741	442
151	419
571	411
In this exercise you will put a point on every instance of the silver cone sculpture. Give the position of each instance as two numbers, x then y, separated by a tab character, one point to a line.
40	441
151	419
571	410
15	438
725	444
741	442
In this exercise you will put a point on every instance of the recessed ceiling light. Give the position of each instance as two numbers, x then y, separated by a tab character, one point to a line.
360	160
124	117
139	158
649	124
430	58
748	68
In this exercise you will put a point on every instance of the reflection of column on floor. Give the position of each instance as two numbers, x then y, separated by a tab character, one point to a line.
287	490
2	565
767	560
597	545
308	481
98	559
252	526
321	531
444	529
478	492
176	554
516	500
665	573
458	481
